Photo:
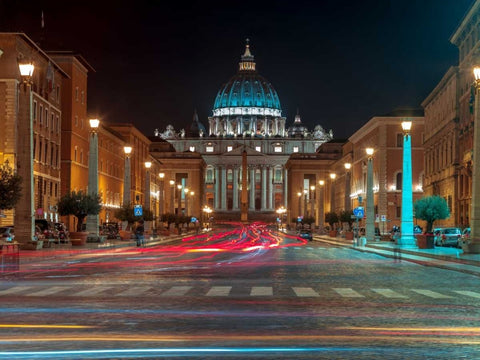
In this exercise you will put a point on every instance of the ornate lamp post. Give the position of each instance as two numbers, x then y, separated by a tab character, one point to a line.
190	202
148	165
24	210
321	199
474	246
312	201
161	195
126	177
93	220
305	193
172	196
370	223
280	212
186	191
299	194
407	238
207	211
333	176
348	206
179	199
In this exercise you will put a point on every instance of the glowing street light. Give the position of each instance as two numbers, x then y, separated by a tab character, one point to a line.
370	222
93	220
407	238
348	166
126	177
148	165
321	205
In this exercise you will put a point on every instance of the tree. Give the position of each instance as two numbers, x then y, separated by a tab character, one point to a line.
431	208
346	217
331	218
126	213
10	187
79	204
308	220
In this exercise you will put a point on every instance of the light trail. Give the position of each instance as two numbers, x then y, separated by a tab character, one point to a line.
37	326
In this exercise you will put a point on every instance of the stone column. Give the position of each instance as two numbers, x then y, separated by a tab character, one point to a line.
235	188
270	189
251	205
285	188
224	188
216	202
263	190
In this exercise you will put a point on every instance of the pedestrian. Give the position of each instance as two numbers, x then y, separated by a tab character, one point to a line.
139	230
397	255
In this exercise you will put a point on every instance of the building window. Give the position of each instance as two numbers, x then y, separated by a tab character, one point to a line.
209	149
58	93
398	181
46	152
76	93
34	111
209	177
277	149
295	149
83	97
399	212
399	140
229	148
192	148
75	153
278	175
46	118
258	148
229	175
52	122
76	120
40	115
58	125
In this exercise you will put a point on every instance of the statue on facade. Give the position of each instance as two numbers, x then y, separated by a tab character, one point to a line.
182	133
169	133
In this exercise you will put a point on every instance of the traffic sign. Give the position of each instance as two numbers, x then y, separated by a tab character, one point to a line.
359	212
137	210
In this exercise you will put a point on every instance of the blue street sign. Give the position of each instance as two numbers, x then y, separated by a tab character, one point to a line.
137	210
359	212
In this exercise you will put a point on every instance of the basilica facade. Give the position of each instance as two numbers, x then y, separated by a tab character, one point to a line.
246	116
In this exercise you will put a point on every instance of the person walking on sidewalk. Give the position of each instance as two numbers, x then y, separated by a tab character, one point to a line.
139	233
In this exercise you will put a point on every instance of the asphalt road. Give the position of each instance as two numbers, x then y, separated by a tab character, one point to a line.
239	293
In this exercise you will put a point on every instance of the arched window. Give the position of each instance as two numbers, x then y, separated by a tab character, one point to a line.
398	181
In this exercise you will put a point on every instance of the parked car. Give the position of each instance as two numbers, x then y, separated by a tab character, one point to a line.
62	232
447	236
466	234
39	233
417	230
305	234
7	233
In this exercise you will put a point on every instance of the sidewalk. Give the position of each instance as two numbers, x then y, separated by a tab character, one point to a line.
442	257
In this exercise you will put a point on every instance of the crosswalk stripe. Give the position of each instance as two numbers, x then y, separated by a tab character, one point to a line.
431	294
14	290
219	291
305	292
347	292
134	291
48	291
469	293
389	293
261	291
176	291
93	291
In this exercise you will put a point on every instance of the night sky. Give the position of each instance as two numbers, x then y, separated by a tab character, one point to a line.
339	62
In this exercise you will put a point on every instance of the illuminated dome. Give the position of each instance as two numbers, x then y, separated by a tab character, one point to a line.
247	99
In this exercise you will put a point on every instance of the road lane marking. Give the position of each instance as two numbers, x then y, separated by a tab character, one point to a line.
431	294
176	291
48	291
219	291
389	293
93	291
469	293
348	292
305	292
14	290
261	291
133	291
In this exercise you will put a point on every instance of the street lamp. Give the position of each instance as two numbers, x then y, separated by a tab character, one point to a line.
312	200
299	194
407	238
348	166
148	165
161	195
186	191
321	211
126	177
24	210
474	245
93	220
280	213
370	223
207	211
172	196
305	192
333	176
179	199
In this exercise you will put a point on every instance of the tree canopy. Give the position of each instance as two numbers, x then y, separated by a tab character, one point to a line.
10	187
431	208
79	204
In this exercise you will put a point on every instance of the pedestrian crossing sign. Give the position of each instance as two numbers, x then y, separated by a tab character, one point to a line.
137	210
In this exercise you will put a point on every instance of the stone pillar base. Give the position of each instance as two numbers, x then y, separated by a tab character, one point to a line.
407	242
472	248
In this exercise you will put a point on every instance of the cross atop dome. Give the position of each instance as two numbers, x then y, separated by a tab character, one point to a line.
247	63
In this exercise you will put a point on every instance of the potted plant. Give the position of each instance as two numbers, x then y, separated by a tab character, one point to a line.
346	216
430	209
332	218
126	214
309	220
79	204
